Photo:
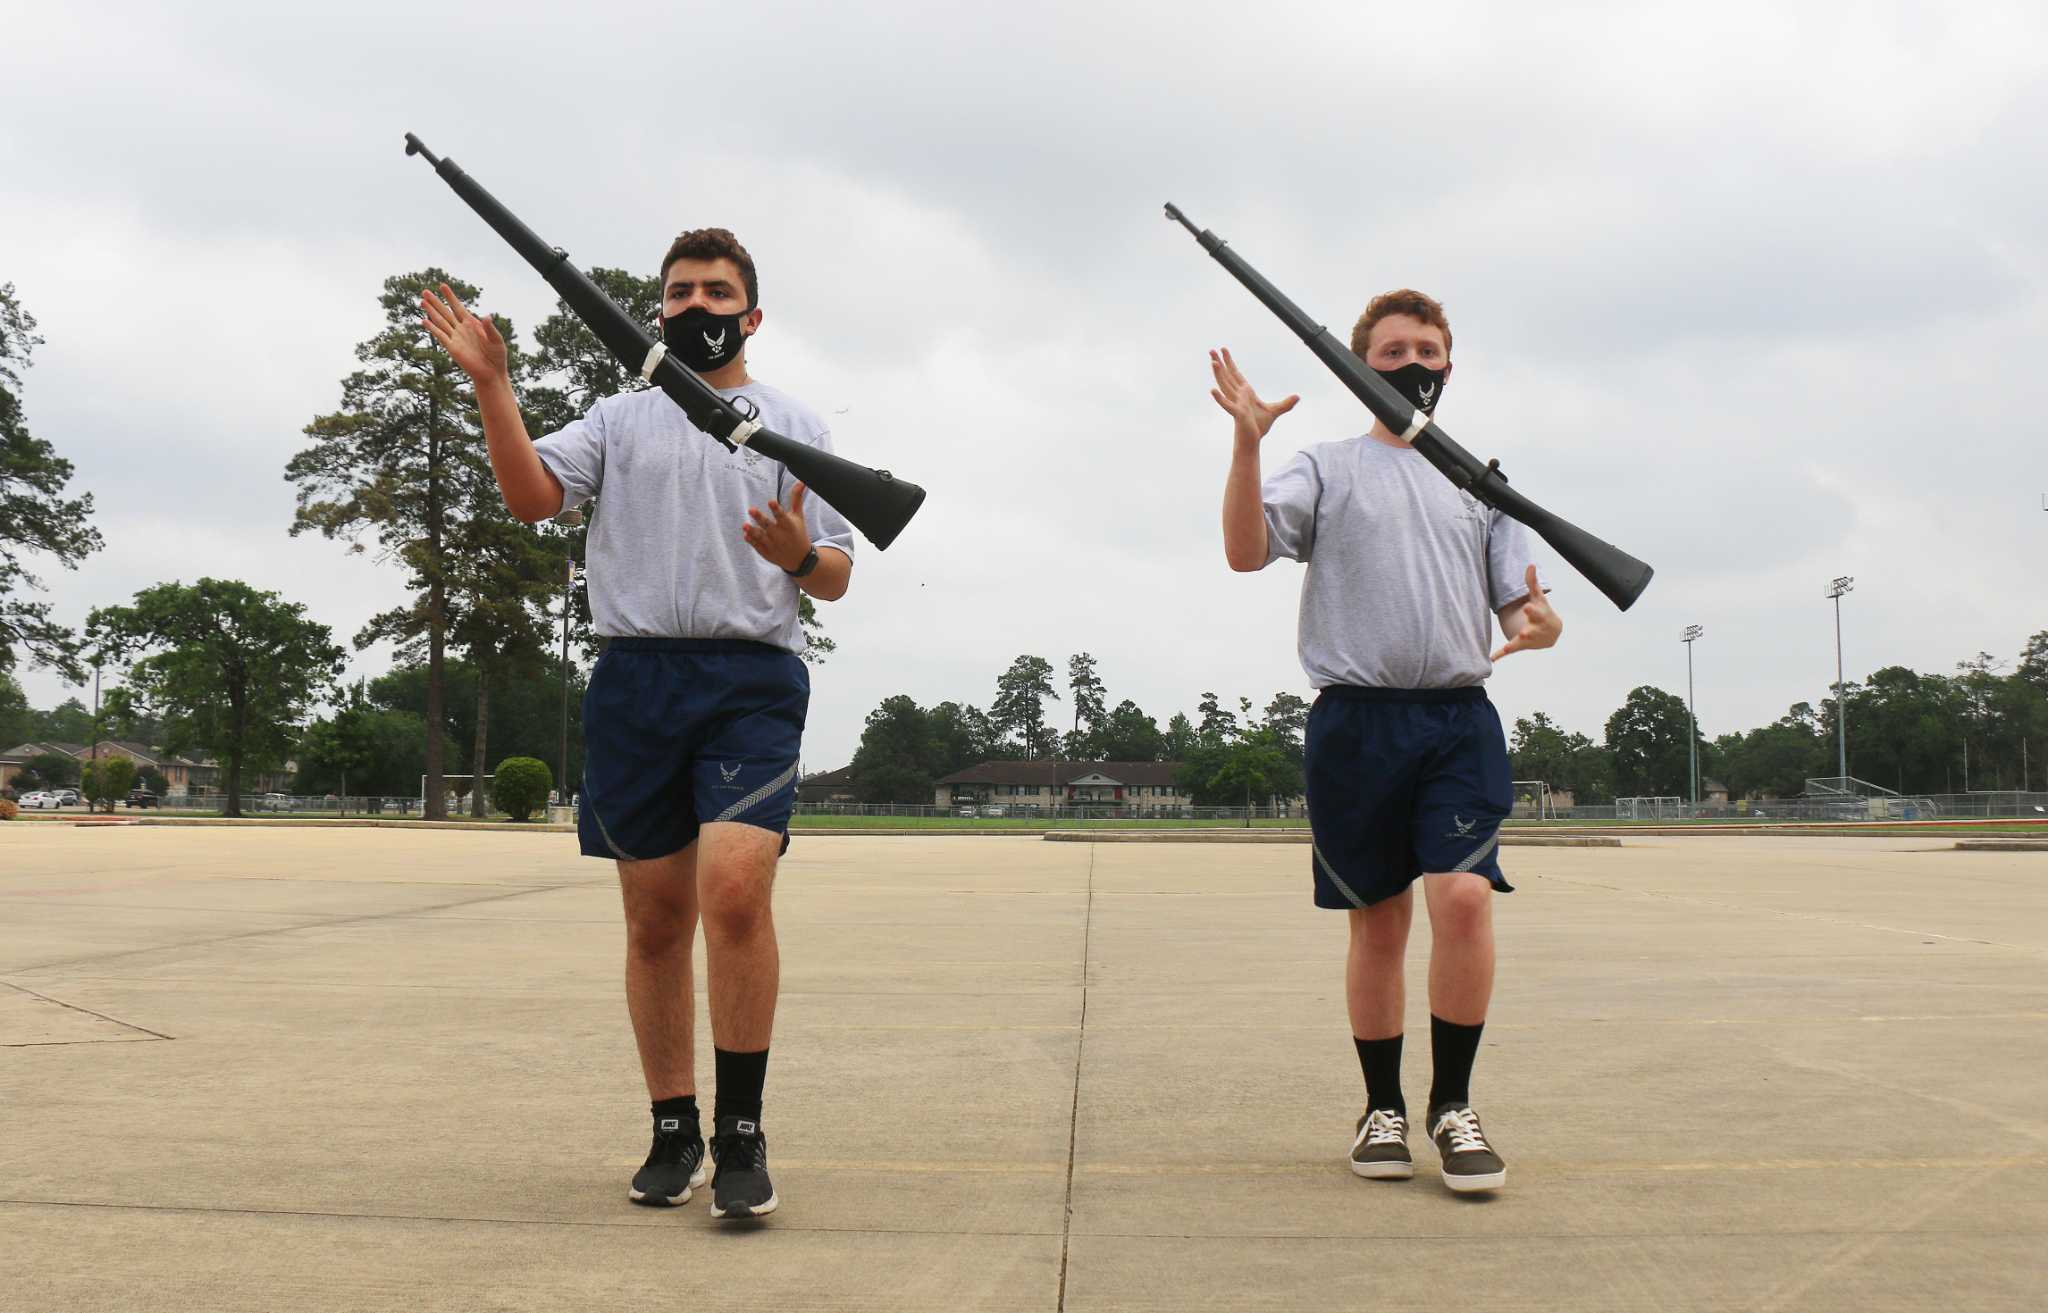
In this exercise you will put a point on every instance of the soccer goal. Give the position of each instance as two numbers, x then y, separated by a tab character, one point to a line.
457	790
1534	795
1649	809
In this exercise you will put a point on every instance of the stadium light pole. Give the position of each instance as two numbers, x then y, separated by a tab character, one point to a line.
1847	583
1692	729
568	520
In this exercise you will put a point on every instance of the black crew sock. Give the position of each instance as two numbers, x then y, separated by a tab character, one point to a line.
1452	1048
740	1078
1380	1060
683	1108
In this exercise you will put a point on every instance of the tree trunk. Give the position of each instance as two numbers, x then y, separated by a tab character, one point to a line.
234	807
434	806
478	758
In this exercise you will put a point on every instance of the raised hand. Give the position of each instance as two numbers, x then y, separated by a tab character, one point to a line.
1254	417
472	341
1540	626
779	535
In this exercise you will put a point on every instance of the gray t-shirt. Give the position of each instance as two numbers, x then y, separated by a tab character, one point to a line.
1405	570
666	559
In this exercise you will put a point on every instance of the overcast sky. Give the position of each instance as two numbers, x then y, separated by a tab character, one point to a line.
1754	291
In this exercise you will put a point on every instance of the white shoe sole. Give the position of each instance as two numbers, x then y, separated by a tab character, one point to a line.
1383	1171
671	1201
737	1215
1472	1184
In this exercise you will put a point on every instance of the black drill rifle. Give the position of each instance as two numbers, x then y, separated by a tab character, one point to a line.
874	501
1614	572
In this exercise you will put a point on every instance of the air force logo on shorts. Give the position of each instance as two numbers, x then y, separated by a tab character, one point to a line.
1401	783
682	732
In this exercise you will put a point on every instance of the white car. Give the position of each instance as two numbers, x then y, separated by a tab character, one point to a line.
39	800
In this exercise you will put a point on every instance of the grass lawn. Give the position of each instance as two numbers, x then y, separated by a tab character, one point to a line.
1023	824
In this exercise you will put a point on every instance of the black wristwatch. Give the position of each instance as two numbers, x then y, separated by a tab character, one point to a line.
810	564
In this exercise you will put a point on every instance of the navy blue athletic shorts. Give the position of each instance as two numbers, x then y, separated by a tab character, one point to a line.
1401	783
681	731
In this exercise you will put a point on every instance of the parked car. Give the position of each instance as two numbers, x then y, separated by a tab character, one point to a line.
966	810
39	799
68	798
140	797
276	802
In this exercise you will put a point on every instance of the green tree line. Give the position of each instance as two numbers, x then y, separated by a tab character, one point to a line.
1982	727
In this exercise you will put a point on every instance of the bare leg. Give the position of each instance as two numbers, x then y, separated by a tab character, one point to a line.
1375	987
735	882
661	928
1461	947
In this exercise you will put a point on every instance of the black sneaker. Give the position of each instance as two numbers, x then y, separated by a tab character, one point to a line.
741	1187
674	1166
1469	1161
1379	1152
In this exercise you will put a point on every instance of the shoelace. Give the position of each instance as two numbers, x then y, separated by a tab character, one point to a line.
1385	1128
671	1147
1463	1124
740	1153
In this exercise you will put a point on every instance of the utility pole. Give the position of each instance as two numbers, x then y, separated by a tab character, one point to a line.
1692	730
96	731
1846	583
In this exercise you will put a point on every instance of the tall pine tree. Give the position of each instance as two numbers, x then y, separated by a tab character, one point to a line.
402	461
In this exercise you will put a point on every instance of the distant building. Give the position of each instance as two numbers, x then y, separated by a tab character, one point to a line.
827	786
1138	785
17	758
183	776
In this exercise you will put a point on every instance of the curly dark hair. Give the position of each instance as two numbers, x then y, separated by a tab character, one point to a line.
1404	301
714	244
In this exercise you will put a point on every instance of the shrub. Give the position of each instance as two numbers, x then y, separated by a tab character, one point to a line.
107	780
522	786
9	809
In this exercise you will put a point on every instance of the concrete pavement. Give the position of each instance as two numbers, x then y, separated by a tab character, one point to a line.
334	1069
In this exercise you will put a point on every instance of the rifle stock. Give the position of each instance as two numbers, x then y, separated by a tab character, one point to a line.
1621	577
874	501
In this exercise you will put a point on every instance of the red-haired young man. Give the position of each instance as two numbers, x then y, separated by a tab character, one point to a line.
1407	768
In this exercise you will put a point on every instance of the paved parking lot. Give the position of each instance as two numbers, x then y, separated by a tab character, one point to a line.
386	1069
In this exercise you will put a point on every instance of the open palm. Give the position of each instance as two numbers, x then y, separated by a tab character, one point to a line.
1253	415
472	341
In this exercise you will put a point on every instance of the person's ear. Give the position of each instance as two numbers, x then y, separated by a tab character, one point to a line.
751	321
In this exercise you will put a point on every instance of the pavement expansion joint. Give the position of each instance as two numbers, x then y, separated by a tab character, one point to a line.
633	1222
142	1032
321	923
1074	1113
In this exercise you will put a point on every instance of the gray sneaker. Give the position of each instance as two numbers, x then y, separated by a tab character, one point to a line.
1469	1162
1379	1152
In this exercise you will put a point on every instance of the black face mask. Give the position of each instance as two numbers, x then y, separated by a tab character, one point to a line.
702	340
1422	386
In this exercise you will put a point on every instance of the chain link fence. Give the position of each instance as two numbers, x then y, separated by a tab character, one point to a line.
1981	805
2006	804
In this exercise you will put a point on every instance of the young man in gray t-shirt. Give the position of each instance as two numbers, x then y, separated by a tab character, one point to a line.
1407	769
695	712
